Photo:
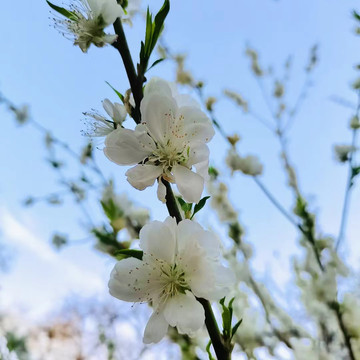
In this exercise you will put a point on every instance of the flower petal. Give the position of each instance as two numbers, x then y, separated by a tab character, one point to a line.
199	157
159	86
196	124
184	312
141	176
157	111
161	191
158	240
190	185
211	280
129	280
156	328
127	147
108	107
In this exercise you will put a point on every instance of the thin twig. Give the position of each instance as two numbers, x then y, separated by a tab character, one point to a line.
345	209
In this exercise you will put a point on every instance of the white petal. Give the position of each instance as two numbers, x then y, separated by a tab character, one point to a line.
196	124
156	328
211	280
158	240
161	191
209	242
142	176
110	11
120	113
108	107
187	229
199	157
126	147
157	111
129	280
184	312
190	185
186	100
159	86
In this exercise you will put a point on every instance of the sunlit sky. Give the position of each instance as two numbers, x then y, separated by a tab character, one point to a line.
41	68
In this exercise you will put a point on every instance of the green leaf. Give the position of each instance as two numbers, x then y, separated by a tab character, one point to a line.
235	327
121	96
68	14
126	253
159	22
155	63
111	210
208	350
355	171
152	33
186	207
356	15
200	205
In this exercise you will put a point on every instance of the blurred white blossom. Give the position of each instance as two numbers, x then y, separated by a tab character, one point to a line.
249	165
343	152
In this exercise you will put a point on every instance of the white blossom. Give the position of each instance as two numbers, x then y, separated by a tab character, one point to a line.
180	262
88	20
249	165
169	142
100	125
343	152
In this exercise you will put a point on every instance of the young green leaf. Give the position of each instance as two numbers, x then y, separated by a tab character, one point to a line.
126	253
68	14
155	63
200	205
186	207
121	96
356	15
235	327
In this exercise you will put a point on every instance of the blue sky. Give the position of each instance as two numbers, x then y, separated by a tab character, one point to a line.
41	68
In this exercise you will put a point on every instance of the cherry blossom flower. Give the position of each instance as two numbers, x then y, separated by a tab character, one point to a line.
180	262
88	20
102	126
169	142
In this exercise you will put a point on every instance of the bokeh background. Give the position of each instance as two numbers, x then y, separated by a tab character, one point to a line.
41	68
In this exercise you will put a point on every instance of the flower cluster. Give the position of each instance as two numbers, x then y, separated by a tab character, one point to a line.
170	140
180	263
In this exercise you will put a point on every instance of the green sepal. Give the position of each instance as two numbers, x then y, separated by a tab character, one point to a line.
68	14
200	205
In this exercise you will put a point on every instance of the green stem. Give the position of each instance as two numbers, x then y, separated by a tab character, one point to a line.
345	209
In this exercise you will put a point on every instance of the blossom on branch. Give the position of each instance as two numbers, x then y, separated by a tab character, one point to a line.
86	20
102	126
170	140
180	262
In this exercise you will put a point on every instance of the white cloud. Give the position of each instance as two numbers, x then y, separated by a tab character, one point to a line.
59	276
